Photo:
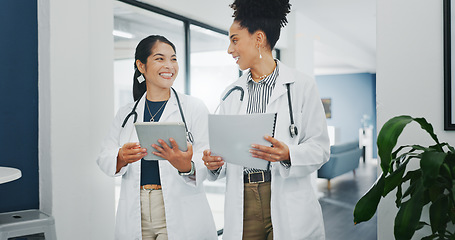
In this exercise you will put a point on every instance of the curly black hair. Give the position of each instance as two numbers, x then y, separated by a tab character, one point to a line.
266	15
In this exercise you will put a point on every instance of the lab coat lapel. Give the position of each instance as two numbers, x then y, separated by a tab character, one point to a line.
280	86
171	107
140	118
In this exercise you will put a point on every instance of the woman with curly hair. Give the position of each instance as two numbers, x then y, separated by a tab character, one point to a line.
280	202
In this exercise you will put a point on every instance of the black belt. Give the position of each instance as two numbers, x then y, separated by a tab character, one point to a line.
257	177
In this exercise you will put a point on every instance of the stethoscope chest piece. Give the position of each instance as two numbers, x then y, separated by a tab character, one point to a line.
293	130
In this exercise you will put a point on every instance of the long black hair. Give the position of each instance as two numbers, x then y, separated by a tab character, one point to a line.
266	15
143	51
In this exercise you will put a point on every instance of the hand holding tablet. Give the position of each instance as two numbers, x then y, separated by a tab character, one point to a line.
150	132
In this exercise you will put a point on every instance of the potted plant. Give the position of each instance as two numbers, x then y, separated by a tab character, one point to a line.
432	184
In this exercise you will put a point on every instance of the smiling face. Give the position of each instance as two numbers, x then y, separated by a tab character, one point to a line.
243	46
161	68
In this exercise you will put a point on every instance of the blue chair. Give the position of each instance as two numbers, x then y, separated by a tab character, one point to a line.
344	157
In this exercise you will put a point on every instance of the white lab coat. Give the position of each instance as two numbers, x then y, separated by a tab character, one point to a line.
188	214
295	210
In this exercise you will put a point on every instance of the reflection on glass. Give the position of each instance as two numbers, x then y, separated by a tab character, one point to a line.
212	68
131	25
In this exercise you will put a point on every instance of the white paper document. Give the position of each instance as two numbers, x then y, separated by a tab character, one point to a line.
231	137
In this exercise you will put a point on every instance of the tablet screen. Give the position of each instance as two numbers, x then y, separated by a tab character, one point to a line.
149	133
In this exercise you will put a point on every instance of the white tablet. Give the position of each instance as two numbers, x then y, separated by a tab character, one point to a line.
149	133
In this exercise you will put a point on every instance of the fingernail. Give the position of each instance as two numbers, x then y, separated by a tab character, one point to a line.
253	146
251	151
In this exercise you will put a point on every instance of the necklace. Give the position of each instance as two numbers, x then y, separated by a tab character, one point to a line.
264	76
152	119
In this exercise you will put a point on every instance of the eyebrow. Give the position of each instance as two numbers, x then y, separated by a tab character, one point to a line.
233	35
160	54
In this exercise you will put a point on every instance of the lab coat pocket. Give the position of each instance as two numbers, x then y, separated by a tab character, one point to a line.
306	218
198	220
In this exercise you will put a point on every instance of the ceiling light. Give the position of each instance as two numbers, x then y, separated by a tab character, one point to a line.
122	34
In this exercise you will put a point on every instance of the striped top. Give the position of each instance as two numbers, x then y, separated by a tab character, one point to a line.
258	98
259	92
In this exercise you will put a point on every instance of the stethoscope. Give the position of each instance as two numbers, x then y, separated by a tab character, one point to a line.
292	128
133	113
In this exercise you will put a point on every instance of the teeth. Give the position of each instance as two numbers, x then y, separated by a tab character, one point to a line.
166	74
236	58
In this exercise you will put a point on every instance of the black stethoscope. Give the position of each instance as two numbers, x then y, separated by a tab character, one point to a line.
133	113
292	128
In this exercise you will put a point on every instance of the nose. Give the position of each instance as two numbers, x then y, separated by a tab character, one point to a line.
168	65
230	49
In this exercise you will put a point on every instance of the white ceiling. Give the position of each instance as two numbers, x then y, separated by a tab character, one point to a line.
350	27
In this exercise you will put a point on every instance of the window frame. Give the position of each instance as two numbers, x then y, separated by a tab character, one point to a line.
187	22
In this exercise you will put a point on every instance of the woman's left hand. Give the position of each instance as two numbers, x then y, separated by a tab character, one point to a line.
278	152
180	160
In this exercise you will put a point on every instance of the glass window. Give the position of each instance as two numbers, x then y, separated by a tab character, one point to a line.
131	25
212	68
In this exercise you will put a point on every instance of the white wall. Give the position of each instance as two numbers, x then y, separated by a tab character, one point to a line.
76	108
409	77
296	43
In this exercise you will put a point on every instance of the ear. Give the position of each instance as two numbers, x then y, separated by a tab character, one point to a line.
260	38
140	66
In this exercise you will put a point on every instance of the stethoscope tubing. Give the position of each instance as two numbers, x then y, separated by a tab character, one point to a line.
292	128
133	112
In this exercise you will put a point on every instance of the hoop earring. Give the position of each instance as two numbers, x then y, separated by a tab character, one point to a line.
141	78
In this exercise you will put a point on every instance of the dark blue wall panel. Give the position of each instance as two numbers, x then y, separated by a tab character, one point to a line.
353	96
19	102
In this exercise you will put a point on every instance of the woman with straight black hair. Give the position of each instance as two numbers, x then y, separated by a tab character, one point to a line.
279	202
159	199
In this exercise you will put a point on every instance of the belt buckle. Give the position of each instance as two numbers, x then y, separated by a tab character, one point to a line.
260	181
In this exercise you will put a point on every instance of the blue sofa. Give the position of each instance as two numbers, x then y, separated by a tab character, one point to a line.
343	158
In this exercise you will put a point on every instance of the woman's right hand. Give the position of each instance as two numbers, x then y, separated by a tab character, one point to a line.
129	153
212	162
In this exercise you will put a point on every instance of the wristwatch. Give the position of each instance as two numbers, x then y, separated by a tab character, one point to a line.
191	172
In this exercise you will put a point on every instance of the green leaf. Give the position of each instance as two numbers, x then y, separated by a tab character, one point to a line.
451	148
438	214
415	174
429	128
430	165
445	171
430	237
395	153
367	205
394	179
408	216
434	193
412	187
387	139
399	196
